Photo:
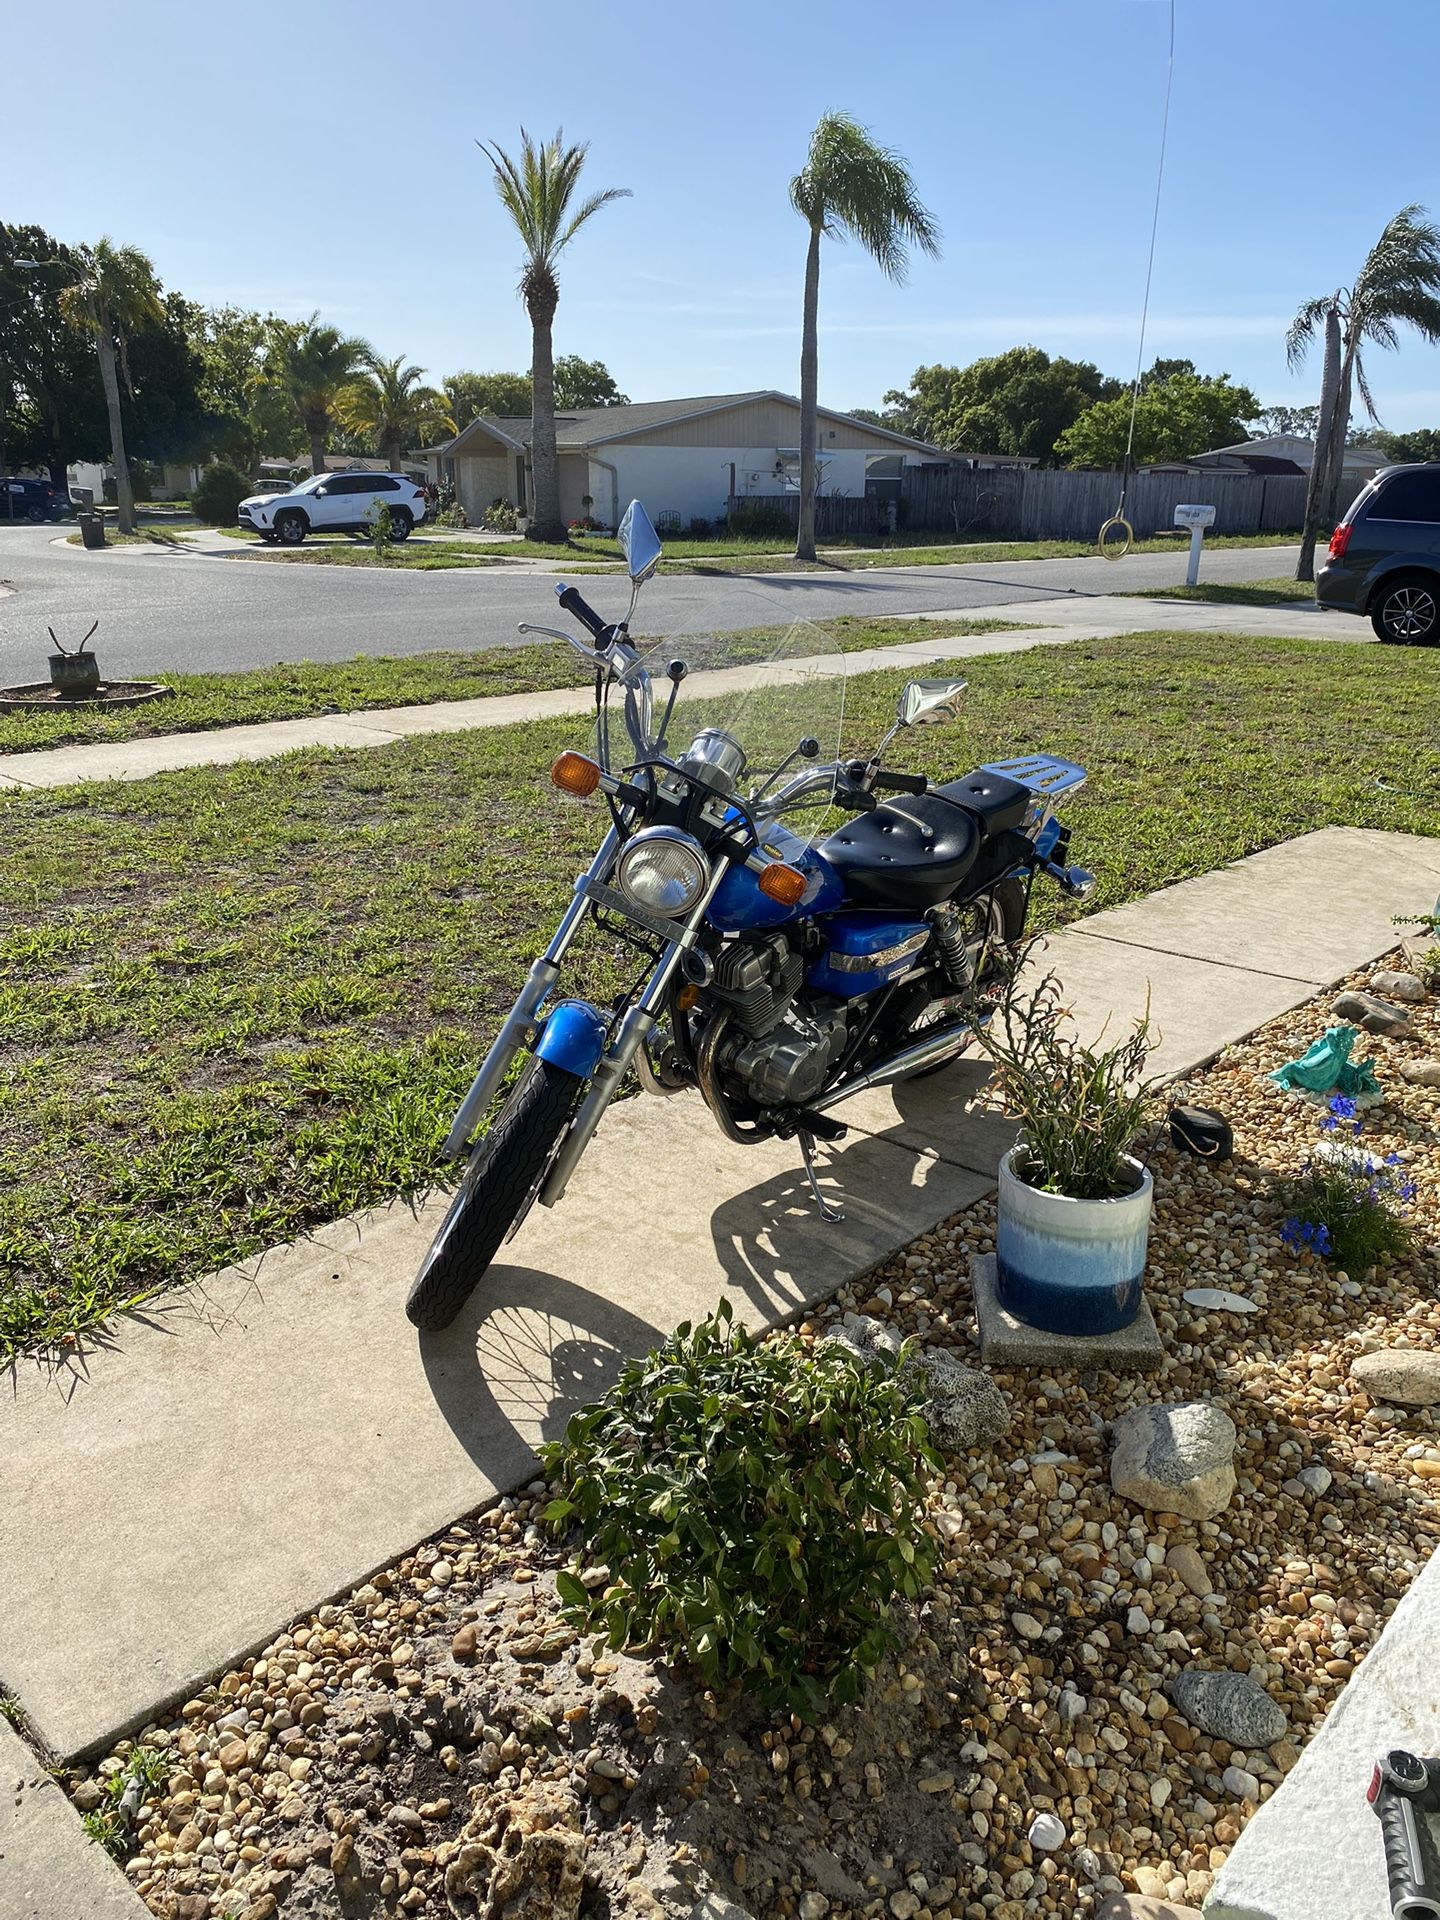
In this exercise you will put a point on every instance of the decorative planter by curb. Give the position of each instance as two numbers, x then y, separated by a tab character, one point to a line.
75	675
1071	1266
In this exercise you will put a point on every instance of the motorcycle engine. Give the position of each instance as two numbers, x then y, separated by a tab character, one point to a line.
781	1044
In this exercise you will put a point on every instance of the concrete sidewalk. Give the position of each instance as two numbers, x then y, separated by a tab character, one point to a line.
50	1868
252	1445
1057	622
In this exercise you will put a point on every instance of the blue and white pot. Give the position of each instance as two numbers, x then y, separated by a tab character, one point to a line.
1071	1266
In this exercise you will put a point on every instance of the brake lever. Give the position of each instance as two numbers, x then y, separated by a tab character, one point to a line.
593	654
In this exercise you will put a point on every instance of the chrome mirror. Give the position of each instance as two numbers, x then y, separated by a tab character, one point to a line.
639	543
925	703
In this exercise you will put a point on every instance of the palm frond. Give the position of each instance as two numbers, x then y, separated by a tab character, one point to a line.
1301	330
851	185
536	191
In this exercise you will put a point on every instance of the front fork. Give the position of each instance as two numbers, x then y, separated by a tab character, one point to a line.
516	1026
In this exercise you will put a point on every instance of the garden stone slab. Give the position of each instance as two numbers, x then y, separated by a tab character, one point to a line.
1006	1342
247	1448
50	1868
1276	912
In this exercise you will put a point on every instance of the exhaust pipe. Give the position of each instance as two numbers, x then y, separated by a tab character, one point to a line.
936	1048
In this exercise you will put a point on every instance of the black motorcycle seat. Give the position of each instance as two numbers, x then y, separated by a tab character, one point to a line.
997	802
912	852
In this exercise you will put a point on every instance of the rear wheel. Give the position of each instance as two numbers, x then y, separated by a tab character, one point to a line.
1407	612
499	1184
400	523
290	528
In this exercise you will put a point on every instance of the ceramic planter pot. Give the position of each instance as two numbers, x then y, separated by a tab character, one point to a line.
1071	1266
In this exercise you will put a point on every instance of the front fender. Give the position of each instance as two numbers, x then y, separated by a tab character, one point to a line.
573	1037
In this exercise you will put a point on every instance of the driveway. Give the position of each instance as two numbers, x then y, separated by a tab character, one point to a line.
163	611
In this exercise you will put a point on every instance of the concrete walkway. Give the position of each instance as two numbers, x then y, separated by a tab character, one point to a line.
1056	622
252	1445
50	1868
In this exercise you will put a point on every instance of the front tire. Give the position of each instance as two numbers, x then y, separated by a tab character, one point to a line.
503	1172
290	529
1407	613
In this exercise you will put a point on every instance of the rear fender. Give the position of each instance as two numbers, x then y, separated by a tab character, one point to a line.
573	1037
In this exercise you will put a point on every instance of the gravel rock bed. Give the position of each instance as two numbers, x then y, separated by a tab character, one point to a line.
441	1743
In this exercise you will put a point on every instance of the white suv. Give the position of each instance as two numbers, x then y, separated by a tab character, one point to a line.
334	503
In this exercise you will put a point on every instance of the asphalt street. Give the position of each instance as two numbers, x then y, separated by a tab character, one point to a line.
166	611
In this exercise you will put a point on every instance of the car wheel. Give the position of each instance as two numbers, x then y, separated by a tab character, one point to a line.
290	529
401	524
35	515
1407	612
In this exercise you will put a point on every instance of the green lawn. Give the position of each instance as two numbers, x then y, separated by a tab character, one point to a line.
1248	593
729	556
205	700
238	1002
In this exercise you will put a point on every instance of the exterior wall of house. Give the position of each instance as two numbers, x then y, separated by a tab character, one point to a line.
478	482
696	482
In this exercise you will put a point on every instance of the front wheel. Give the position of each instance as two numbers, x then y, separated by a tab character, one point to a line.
290	529
1407	614
499	1183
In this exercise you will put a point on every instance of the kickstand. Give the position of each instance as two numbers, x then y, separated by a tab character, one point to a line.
822	1205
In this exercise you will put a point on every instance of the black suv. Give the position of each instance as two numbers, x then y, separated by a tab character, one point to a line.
35	500
1384	556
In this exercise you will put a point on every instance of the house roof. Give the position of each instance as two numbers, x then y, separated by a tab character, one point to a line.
581	427
1294	445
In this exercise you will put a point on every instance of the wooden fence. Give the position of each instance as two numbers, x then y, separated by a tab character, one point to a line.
1017	503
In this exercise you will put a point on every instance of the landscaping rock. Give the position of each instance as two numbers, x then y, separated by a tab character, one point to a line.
1375	1016
1218	1300
1047	1832
964	1407
1398	986
1399	1376
1142	1906
1183	1559
1421	1073
1229	1705
1175	1459
1316	1480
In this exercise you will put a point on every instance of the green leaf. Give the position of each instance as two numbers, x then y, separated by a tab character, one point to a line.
571	1591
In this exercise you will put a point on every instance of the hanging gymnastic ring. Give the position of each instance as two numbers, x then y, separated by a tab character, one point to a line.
1115	552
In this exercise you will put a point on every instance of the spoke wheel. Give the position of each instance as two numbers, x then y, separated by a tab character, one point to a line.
1408	614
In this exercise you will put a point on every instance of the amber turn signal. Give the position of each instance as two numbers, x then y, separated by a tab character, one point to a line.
573	773
782	883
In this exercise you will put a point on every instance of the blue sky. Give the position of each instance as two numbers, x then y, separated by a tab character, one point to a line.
322	155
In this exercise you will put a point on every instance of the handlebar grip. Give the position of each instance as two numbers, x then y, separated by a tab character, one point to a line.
1410	1863
855	799
901	782
571	600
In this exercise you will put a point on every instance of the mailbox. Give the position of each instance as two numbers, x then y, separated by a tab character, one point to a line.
1192	517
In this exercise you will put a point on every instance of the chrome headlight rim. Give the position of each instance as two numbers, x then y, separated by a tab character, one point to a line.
646	884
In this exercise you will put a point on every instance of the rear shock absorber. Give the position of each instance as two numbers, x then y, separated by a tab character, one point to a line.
948	928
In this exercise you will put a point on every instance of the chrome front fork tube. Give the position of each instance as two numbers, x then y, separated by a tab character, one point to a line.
638	1022
516	1025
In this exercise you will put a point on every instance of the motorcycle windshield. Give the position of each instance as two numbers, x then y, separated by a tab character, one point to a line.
760	706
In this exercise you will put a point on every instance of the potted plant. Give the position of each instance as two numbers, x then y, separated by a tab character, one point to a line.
1073	1209
75	675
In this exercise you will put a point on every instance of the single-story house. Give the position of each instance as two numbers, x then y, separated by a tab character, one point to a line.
1359	463
686	458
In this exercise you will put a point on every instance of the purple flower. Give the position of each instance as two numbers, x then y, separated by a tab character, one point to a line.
1343	1107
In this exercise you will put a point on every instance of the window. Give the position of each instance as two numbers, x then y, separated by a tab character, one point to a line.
352	483
1409	496
381	483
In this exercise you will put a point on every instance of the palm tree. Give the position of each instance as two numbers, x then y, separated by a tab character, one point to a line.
848	186
117	292
1399	285
311	365
392	405
536	193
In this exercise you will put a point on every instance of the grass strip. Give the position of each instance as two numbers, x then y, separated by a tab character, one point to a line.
304	688
1231	593
238	1002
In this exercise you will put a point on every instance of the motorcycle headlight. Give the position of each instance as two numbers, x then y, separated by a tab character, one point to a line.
663	871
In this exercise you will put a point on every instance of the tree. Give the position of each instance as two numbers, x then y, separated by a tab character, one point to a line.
1176	416
116	292
391	407
1421	443
537	192
310	365
1299	420
1016	402
47	374
468	395
849	186
1398	285
586	383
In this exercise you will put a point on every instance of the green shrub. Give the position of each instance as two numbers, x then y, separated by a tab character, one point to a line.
451	517
1346	1205
382	530
758	520
759	1506
217	499
501	517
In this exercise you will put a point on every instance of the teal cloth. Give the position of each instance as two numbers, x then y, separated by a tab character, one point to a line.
1326	1067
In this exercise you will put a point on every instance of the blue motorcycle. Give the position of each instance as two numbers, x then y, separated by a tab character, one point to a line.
787	963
